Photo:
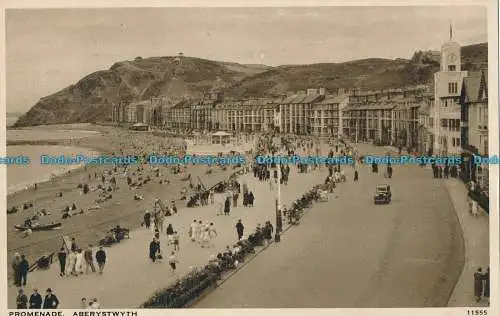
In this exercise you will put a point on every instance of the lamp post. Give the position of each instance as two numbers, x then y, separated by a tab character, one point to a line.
279	220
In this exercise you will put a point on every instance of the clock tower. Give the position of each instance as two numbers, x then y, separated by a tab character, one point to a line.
450	56
446	110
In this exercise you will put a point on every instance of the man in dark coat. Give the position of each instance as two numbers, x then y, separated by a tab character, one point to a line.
486	278
24	267
35	300
239	229
478	284
21	300
227	206
153	250
15	269
147	219
250	198
100	258
268	231
61	256
51	301
356	175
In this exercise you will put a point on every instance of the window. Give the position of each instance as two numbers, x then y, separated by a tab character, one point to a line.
444	123
457	142
453	141
452	87
452	67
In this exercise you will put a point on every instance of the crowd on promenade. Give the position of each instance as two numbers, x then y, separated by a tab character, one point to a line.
227	195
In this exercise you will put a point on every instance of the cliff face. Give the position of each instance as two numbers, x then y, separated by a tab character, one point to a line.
89	99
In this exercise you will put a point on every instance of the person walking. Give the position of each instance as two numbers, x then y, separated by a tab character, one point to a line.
147	220
212	232
36	300
356	175
239	229
15	269
172	261
61	256
24	267
79	262
474	209
486	278
21	300
205	238
268	232
153	250
100	258
50	301
170	234
478	284
199	231
227	206
89	259
251	198
235	199
212	197
70	267
192	230
175	237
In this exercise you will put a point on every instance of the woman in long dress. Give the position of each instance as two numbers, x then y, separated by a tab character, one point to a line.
79	262
70	267
205	241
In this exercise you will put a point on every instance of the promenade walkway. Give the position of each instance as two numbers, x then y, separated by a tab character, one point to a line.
476	241
350	253
130	277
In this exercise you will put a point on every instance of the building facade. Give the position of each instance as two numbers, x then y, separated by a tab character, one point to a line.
446	111
474	131
386	117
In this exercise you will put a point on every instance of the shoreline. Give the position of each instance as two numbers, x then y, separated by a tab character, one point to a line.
121	210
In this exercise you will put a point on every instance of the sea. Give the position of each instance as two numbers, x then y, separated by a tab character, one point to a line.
11	119
20	177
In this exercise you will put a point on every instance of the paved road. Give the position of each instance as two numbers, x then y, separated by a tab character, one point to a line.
349	253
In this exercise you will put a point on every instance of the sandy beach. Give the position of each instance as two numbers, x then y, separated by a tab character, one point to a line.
122	209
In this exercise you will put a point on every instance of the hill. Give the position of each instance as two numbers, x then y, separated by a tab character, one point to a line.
369	74
89	99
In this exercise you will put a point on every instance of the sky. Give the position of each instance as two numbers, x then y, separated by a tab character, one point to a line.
50	49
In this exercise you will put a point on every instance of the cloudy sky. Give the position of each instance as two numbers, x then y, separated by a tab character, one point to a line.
49	49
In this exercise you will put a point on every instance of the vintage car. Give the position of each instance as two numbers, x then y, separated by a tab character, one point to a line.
382	194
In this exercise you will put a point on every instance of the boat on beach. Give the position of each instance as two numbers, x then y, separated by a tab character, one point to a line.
47	227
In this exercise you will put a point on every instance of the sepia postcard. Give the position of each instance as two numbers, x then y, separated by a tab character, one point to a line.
235	157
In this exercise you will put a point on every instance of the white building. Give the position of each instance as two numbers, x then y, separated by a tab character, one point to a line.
446	110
